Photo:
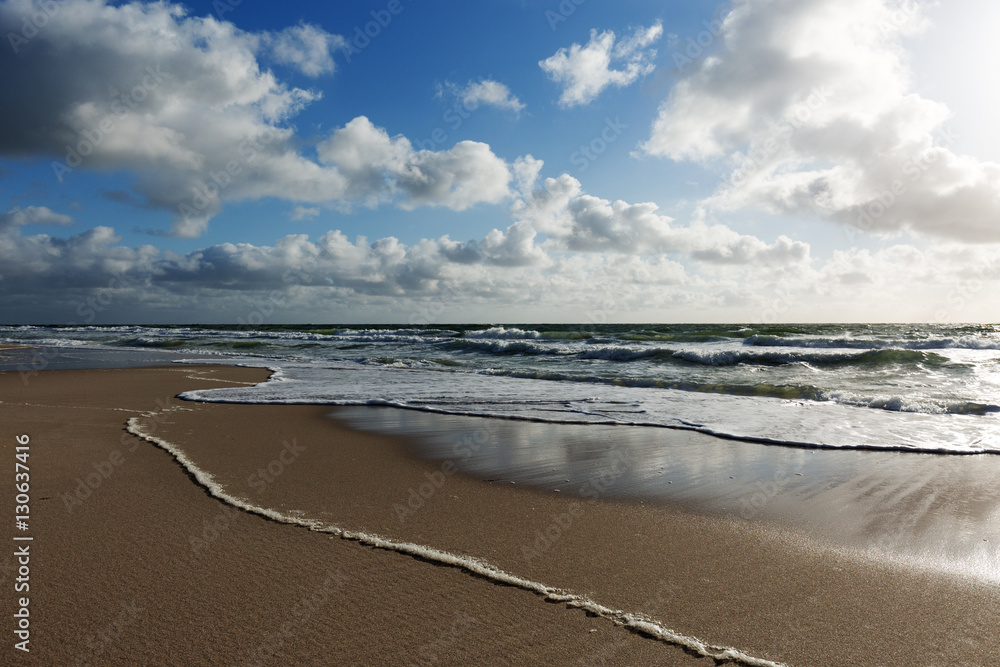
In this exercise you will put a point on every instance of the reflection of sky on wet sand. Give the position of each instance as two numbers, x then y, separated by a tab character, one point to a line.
942	510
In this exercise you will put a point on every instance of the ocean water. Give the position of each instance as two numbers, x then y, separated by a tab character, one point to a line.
928	388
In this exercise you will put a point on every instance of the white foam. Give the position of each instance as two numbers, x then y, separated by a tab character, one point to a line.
640	623
512	346
503	333
508	394
961	342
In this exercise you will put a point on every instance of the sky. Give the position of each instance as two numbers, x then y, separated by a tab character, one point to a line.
402	161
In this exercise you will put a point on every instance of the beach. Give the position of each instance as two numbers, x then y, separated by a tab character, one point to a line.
347	334
149	566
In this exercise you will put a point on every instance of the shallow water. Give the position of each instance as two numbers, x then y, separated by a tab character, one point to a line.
940	512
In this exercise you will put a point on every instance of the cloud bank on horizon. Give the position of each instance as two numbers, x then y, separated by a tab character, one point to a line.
840	192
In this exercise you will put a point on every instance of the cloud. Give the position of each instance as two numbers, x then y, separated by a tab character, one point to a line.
35	264
515	247
579	222
306	47
304	212
587	241
170	99
32	215
585	71
630	264
184	105
376	166
457	178
485	93
810	107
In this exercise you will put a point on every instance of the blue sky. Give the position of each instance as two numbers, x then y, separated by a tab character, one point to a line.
803	160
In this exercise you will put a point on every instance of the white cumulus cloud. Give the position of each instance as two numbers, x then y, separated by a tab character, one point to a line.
485	92
306	47
579	222
584	71
376	165
810	106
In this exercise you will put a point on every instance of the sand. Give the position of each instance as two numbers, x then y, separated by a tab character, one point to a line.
149	568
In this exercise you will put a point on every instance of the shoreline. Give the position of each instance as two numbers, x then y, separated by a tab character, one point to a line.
720	581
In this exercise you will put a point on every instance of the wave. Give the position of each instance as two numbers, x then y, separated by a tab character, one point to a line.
365	337
49	342
626	353
702	336
962	342
787	392
145	341
501	347
566	335
502	333
603	333
896	403
247	344
409	362
886	357
389	331
718	357
193	344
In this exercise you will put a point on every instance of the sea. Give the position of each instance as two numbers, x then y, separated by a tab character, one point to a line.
907	387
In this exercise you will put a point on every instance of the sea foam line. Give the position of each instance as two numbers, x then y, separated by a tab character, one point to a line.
639	623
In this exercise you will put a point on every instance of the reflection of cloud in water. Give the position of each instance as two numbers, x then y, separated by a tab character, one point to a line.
941	511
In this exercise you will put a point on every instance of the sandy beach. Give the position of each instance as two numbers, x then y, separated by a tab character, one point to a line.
133	561
500	333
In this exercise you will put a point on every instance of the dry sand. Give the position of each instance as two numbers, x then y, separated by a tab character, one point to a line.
148	568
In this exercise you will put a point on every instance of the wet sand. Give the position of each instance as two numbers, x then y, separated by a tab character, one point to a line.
940	512
149	567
